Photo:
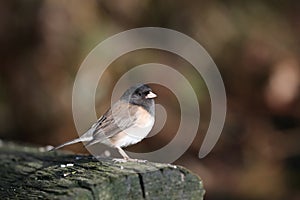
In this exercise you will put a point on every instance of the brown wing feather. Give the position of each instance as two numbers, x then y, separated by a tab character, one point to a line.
115	120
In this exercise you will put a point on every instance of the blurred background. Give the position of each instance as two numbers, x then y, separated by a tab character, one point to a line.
255	44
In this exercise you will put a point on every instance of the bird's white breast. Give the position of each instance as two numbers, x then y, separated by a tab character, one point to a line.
122	139
135	133
143	124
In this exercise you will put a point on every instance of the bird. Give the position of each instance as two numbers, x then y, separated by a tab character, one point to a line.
126	122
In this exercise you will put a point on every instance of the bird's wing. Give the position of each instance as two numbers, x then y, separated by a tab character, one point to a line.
120	117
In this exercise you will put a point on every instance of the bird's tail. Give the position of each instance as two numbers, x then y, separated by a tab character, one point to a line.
84	139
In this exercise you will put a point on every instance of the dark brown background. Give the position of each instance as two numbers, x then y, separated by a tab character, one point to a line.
255	45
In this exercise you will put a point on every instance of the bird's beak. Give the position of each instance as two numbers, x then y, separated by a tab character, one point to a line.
151	95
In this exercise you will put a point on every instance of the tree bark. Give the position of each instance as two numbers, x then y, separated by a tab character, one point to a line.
33	173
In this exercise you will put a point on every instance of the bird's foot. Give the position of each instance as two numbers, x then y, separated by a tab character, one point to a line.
124	160
119	160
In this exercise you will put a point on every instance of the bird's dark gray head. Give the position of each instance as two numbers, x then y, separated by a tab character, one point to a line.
140	94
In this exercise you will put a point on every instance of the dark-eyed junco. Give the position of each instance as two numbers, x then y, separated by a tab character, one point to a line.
127	122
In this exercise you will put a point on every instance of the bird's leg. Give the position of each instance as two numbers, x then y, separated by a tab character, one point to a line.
122	152
126	157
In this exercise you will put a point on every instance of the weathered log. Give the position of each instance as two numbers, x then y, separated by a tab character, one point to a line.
33	173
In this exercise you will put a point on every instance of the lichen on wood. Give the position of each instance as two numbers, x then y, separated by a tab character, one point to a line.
33	173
